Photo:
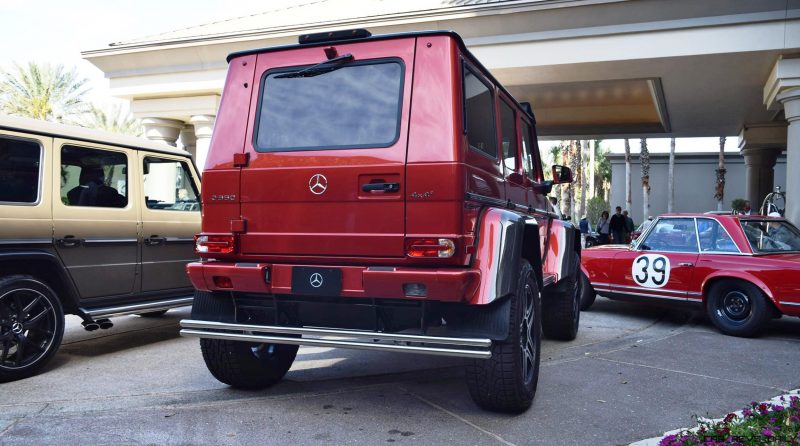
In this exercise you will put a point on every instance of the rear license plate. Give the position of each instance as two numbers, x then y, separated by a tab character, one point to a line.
316	281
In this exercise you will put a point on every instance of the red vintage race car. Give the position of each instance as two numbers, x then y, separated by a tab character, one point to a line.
742	270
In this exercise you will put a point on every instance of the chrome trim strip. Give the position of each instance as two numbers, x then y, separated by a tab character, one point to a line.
794	304
681	299
601	284
360	340
140	308
97	241
179	239
27	241
627	287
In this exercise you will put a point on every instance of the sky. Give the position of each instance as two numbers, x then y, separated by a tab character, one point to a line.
57	31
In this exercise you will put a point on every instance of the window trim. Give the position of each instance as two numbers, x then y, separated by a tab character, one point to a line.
40	178
277	70
517	130
697	229
536	174
655	223
466	66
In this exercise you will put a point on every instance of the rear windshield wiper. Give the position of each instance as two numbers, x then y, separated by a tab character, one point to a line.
320	68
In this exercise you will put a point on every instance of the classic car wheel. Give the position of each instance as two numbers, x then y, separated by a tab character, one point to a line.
588	295
507	381
244	365
738	308
561	307
31	326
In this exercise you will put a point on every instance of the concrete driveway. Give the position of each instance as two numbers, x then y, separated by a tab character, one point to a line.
633	372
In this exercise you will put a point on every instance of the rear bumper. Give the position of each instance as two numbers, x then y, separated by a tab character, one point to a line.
445	285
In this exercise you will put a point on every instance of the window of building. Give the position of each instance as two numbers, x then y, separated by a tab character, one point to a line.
20	171
509	134
93	177
168	185
479	114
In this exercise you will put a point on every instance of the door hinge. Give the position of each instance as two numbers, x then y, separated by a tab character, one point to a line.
238	226
241	159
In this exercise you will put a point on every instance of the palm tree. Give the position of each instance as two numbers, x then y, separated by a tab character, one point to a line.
43	91
112	119
645	162
671	177
719	194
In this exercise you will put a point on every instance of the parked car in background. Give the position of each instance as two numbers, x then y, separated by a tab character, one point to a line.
93	224
387	191
741	270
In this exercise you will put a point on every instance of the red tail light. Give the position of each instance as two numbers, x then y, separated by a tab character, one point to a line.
214	244
430	247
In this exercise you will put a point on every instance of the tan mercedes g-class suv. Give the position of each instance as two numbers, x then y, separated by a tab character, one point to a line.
93	224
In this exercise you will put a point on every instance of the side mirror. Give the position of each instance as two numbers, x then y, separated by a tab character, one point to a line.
561	174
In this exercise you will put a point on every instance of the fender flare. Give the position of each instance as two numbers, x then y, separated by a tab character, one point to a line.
739	275
71	298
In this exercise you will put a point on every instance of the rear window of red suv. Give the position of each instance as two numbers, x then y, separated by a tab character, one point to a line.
356	105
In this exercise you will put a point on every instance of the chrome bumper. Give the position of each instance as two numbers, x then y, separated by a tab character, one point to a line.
327	337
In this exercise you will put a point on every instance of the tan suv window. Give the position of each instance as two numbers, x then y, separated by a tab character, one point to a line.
93	177
168	185
20	163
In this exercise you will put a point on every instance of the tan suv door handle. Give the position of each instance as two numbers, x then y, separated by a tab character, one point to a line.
154	240
69	242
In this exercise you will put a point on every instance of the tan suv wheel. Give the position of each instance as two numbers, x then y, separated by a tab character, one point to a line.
31	326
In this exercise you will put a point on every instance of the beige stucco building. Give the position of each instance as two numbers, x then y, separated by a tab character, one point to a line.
591	68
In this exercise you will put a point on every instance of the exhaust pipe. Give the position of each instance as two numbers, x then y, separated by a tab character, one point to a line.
105	324
90	325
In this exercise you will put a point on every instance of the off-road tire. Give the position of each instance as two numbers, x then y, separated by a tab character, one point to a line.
588	294
738	308
153	314
31	316
507	381
244	365
561	312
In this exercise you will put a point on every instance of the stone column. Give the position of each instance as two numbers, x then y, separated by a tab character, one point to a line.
188	139
759	173
203	128
160	129
791	106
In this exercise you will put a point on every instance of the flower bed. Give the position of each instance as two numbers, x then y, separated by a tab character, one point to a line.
773	423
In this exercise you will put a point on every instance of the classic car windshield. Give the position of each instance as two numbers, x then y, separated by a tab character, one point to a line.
771	235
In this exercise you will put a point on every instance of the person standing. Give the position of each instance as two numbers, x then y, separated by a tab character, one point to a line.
603	228
617	225
629	226
747	209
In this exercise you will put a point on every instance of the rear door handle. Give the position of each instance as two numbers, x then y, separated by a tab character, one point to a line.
155	240
381	187
686	264
69	241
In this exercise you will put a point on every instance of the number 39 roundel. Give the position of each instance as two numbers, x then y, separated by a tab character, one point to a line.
650	270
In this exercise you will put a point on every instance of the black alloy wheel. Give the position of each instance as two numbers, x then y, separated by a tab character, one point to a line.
31	326
738	308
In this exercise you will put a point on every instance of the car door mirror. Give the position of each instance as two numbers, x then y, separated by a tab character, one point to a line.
562	174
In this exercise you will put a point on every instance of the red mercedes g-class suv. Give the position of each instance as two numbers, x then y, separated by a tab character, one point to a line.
379	193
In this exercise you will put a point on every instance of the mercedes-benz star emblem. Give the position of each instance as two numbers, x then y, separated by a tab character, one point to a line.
16	327
315	280
318	184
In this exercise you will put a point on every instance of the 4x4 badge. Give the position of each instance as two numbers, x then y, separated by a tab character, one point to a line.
315	280
318	184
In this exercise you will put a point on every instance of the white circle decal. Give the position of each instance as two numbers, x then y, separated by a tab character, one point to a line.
650	270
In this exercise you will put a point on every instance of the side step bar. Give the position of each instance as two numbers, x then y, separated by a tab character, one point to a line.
139	308
327	337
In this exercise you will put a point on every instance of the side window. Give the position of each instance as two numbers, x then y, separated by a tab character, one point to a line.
672	235
93	177
168	185
20	171
713	236
527	152
508	131
479	114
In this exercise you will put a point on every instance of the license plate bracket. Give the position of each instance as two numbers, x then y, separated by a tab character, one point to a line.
316	281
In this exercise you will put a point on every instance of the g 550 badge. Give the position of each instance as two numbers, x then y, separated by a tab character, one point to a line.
650	270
